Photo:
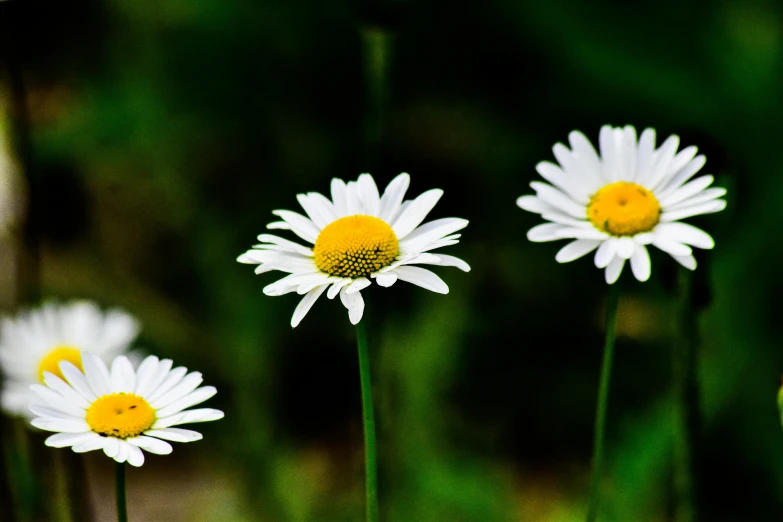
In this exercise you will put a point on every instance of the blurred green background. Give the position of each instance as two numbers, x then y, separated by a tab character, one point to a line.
164	134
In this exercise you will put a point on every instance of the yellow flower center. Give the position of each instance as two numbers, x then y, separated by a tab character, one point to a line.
624	209
51	362
120	415
355	246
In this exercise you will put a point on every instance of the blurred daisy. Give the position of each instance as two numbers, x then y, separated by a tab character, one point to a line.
122	411
631	196
36	341
358	236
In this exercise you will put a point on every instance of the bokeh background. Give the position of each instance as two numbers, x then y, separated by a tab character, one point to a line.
162	135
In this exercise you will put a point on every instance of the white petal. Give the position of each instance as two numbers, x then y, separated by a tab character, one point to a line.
172	378
645	155
686	191
288	245
557	199
314	211
430	232
300	225
339	197
440	260
625	247
685	233
533	204
337	286
305	304
193	398
683	158
61	387
612	273
145	373
392	197
423	278
64	440
95	442
175	435
355	305
628	152
148	442
161	373
278	225
585	153
97	374
122	451
567	183
189	383
582	233
77	380
111	446
386	279
640	263
670	246
123	378
545	232
415	213
55	400
688	262
605	253
610	154
663	159
686	173
135	456
702	197
184	417
368	192
700	208
62	425
576	249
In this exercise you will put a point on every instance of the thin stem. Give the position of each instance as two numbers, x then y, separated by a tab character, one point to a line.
122	503
686	404
370	446
603	399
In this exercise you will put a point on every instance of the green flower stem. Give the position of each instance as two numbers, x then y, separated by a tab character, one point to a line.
603	399
370	445
686	404
376	45
122	503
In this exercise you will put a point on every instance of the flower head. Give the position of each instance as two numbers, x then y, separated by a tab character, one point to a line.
358	236
631	196
36	341
122	411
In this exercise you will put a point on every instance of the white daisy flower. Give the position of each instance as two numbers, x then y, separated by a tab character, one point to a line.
37	340
122	411
358	236
631	196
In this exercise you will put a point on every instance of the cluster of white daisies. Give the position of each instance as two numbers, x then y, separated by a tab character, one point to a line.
68	369
616	203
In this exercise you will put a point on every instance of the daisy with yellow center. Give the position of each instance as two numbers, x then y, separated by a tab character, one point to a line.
358	236
631	196
121	411
36	341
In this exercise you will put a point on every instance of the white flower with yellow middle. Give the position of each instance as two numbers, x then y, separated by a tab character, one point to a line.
358	236
36	341
631	196
121	410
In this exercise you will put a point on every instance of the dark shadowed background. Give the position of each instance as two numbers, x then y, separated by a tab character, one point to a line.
163	135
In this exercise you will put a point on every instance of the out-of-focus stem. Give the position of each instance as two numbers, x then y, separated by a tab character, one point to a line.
376	47
603	400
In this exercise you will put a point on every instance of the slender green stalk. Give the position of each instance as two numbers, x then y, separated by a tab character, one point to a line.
686	404
370	444
122	503
603	399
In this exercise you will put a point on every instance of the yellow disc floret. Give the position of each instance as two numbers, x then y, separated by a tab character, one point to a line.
120	415
355	246
51	362
624	209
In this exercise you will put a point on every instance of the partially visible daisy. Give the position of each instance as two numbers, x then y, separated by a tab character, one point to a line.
358	236
631	196
36	341
122	411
